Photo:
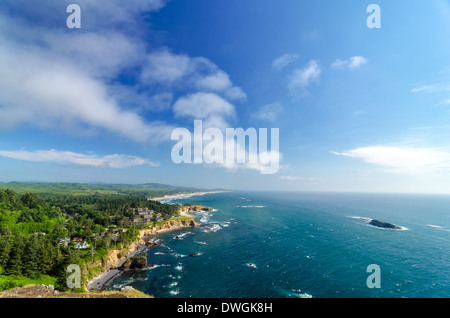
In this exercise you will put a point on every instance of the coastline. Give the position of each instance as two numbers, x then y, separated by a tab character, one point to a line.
101	281
183	195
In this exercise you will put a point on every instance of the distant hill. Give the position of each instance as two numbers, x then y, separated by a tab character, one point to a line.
147	189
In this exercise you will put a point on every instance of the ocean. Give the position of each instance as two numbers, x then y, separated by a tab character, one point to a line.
302	245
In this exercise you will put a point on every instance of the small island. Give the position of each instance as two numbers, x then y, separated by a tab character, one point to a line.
384	225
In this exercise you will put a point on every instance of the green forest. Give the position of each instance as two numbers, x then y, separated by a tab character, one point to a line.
40	225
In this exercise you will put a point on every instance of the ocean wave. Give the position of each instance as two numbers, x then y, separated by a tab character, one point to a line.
214	228
173	284
200	242
294	293
360	218
438	227
181	236
250	206
175	292
153	266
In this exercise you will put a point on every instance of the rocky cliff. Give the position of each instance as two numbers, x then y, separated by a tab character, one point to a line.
117	257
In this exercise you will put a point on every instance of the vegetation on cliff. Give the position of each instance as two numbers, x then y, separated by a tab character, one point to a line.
42	232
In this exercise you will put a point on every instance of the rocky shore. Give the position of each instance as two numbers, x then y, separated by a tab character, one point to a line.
116	258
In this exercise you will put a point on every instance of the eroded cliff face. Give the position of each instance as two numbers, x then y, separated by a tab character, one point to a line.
116	257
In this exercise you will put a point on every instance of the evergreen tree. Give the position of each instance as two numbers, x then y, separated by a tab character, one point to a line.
15	263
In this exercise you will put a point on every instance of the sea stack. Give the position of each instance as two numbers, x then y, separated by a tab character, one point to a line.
384	225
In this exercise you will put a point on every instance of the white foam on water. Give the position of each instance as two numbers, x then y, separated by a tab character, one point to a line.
175	292
360	218
297	293
173	284
179	268
214	228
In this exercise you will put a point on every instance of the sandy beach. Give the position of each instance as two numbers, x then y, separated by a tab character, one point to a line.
182	195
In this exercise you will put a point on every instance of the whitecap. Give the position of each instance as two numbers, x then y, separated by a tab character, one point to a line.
360	218
297	293
181	236
213	228
173	284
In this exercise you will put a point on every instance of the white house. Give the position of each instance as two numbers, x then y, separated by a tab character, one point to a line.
82	245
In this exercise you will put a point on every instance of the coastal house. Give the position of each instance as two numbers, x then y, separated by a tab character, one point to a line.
64	241
114	237
147	217
146	212
138	221
39	233
82	245
77	240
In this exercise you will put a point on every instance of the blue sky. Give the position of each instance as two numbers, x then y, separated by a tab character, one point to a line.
358	109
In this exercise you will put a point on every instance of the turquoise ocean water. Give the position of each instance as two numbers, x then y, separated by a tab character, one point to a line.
288	245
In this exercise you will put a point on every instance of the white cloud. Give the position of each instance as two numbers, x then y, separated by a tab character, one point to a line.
284	61
63	82
409	160
117	161
56	95
352	63
55	79
179	71
165	67
268	161
269	112
302	78
210	107
95	14
290	178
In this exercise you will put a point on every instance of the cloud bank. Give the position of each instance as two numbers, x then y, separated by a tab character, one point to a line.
115	161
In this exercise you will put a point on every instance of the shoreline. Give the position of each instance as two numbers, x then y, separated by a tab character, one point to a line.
101	281
183	195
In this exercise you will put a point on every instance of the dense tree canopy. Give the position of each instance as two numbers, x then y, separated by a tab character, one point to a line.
37	229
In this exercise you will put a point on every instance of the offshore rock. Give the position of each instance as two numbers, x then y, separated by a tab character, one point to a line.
384	225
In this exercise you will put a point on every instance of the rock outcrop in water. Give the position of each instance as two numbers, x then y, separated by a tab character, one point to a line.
133	263
384	225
